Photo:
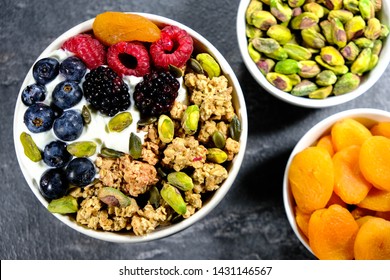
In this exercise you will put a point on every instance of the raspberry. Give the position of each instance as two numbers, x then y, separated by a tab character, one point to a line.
106	91
156	94
127	58
88	49
174	47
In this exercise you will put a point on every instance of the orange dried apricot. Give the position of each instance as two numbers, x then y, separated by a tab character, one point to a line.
326	142
311	178
373	240
376	200
381	129
114	27
332	233
302	220
349	183
348	132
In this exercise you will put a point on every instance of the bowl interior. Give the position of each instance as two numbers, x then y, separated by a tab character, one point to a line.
367	82
200	44
365	115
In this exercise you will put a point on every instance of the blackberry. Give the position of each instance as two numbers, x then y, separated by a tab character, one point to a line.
156	94
106	91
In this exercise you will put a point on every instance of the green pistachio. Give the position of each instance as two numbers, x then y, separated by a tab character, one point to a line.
254	54
342	15
297	52
294	78
82	148
363	43
314	8
174	199
218	139
326	78
180	180
308	69
304	88
377	48
287	67
350	51
280	10
166	129
113	197
339	37
295	3
279	33
216	155
263	20
296	11
190	119
352	6
30	149
265	65
64	205
279	54
312	38
120	121
373	62
384	31
209	65
338	70
355	27
253	32
253	6
346	83
321	93
367	9
377	5
304	20
362	63
265	45
326	28
332	56
333	4
373	29
279	81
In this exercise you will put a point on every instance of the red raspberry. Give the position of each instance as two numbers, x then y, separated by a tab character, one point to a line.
174	47
88	49
129	58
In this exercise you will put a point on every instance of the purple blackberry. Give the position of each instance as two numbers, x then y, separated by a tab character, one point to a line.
106	91
156	94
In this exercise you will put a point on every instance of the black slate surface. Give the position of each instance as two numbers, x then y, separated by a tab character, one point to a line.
250	223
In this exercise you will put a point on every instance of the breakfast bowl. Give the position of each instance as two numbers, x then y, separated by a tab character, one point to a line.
296	62
119	132
329	191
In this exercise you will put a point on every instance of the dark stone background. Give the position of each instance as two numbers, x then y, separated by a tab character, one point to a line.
250	223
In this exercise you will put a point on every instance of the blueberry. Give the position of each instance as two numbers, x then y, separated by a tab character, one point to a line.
45	70
67	94
33	93
55	154
53	183
73	69
69	125
39	118
80	172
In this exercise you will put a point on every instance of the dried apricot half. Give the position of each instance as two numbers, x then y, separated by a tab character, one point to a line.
381	129
348	132
376	200
114	27
326	142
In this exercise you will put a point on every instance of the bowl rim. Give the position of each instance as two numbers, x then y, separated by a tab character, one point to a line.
312	135
218	195
370	78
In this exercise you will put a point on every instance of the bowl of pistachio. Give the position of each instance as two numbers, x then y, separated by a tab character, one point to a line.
130	136
314	54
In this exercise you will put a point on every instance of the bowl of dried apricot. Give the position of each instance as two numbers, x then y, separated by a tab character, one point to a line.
130	127
314	53
337	187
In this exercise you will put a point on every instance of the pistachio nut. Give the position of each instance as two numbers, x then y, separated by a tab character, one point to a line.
254	54
113	197
373	29
110	153
321	93
326	28
263	20
342	15
333	4
31	149
279	33
377	48
86	115
350	51
362	62
154	197
64	205
287	67
235	128
279	81
373	62
174	199
279	54
297	52
295	3
384	31
216	155
326	78
195	66
304	20
254	5
346	83
280	10
294	78
332	56
352	6
252	32
190	119
180	180
135	146
296	11
354	27
304	88
265	45
120	121
363	43
338	70
313	38
82	148
166	129
367	9
314	8
218	139
339	37
209	65
265	65
377	5
308	69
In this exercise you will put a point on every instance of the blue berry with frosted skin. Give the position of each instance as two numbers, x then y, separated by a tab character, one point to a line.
53	183
33	93
46	70
67	94
55	154
80	172
39	118
73	69
69	125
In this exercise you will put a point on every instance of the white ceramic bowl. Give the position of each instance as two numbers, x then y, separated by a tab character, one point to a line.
200	45
368	116
367	82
